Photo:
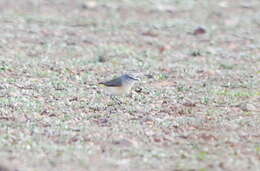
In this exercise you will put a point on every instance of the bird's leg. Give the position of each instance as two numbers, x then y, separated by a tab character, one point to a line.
130	95
114	98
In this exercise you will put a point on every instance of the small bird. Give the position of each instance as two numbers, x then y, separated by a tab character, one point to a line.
120	86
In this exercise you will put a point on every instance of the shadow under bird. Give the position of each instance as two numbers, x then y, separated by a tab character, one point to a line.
121	85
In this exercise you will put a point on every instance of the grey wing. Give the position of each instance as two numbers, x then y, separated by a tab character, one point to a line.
113	83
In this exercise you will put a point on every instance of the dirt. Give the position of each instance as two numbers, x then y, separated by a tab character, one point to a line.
196	107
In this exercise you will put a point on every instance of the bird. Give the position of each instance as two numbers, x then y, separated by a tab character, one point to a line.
120	85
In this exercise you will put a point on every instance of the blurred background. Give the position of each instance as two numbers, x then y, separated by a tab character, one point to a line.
198	109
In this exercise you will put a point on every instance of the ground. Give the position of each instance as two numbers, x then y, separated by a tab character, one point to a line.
196	107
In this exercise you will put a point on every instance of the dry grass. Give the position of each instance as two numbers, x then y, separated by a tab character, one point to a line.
199	111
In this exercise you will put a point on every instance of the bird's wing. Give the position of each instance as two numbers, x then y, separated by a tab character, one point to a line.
113	83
